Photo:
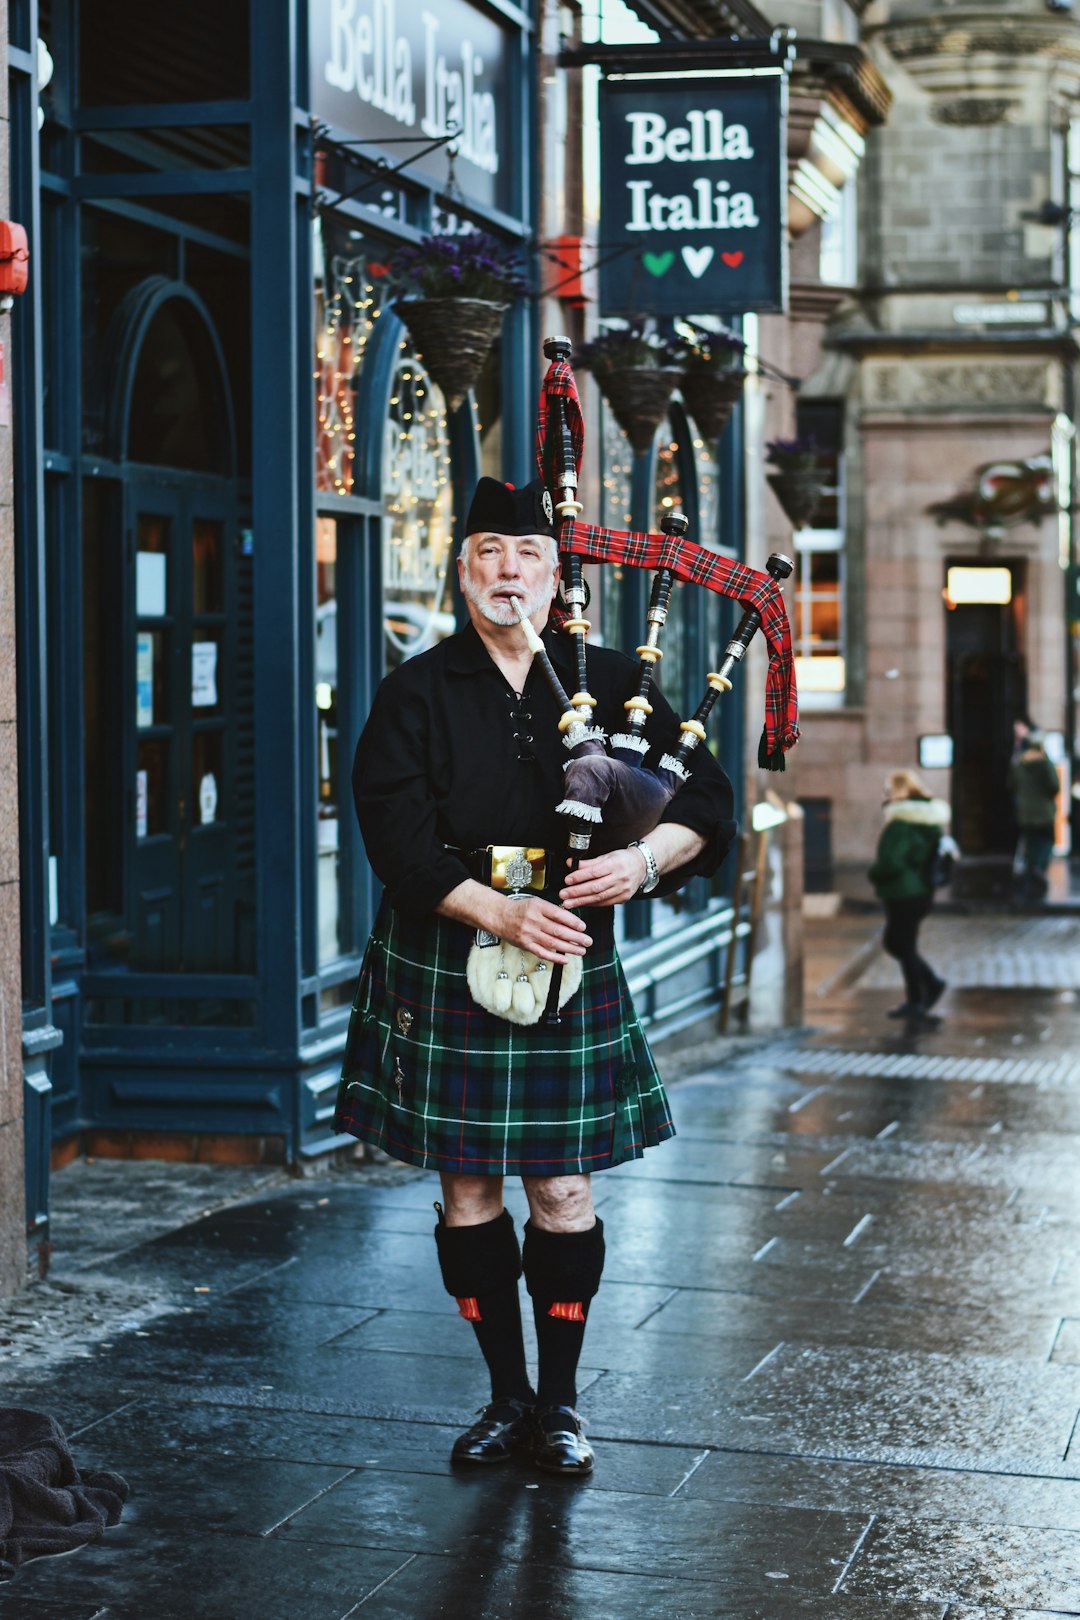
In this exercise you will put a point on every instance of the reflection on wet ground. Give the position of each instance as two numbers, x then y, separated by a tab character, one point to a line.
834	1370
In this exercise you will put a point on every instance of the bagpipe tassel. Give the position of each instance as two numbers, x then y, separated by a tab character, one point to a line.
769	759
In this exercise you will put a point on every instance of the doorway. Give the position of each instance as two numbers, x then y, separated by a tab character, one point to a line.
986	692
168	688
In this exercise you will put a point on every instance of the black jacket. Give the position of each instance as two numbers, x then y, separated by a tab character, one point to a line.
450	756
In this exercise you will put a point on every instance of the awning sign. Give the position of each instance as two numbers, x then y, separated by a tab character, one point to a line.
692	193
390	70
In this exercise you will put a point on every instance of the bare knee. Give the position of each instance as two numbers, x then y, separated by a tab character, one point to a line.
560	1203
471	1200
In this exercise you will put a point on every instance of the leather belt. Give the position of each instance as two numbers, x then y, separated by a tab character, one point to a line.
507	867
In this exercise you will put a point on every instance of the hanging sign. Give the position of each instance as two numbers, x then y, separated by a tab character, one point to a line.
386	69
692	193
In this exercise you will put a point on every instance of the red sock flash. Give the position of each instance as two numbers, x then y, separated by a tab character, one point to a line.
567	1311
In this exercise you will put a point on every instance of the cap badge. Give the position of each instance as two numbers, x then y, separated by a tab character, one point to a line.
545	502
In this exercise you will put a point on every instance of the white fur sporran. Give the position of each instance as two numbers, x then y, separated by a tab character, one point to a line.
514	984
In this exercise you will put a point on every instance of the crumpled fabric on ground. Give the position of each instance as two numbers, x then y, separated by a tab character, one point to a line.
46	1505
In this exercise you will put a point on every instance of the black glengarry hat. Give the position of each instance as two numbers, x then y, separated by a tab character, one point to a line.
501	509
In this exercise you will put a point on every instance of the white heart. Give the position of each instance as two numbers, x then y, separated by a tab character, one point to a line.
698	260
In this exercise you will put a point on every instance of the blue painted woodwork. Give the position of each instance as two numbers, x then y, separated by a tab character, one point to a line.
268	1063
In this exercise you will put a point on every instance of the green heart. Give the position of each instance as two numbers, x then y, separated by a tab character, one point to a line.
658	264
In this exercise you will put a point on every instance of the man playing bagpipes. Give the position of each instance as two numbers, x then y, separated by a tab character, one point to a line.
463	1056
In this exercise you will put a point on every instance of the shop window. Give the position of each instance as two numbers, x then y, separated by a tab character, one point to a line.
350	294
668	496
174	419
488	412
130	53
102	700
326	711
418	560
838	261
819	611
616	512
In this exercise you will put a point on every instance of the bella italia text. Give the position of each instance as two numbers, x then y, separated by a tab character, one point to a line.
371	56
706	205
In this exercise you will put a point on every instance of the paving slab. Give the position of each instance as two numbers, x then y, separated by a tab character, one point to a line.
832	1373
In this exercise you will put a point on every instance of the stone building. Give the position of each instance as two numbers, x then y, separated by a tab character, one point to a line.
943	371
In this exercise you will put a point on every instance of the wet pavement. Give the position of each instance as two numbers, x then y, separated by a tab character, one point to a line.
833	1371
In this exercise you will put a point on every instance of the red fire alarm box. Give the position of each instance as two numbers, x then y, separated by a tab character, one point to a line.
565	270
14	258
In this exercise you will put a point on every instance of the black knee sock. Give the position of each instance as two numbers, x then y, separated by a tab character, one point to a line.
562	1273
480	1267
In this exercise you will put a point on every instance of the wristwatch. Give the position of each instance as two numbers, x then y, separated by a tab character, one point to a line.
652	871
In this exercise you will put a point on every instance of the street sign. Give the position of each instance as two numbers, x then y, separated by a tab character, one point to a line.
692	192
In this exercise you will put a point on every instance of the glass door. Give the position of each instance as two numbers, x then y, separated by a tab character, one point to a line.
179	835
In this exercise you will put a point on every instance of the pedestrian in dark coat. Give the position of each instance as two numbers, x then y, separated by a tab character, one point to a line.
1033	781
902	875
457	776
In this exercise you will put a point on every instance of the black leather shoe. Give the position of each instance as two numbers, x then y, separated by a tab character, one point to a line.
906	1009
497	1432
934	993
559	1447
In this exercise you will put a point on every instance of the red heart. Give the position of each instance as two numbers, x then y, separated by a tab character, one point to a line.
732	260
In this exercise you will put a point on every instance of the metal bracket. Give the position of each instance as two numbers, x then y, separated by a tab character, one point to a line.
380	168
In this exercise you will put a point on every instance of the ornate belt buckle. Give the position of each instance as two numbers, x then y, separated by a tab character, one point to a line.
514	868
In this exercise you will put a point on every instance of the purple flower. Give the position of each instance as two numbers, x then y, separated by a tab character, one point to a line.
476	265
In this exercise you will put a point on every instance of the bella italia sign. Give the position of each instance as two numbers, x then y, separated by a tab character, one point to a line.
387	69
692	193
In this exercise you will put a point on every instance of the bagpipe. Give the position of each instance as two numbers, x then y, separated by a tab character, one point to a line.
608	788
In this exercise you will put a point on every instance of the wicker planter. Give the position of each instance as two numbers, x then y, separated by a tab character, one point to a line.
710	397
799	491
638	398
453	337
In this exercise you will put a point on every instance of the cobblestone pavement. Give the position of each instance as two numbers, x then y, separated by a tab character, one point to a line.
833	1372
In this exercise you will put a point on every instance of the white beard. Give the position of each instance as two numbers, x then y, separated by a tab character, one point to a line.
504	613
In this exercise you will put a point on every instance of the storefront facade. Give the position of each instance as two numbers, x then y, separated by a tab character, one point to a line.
238	496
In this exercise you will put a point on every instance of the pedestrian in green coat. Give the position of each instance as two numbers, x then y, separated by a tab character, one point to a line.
1033	782
901	874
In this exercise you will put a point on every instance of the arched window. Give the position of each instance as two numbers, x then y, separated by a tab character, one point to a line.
418	603
169	403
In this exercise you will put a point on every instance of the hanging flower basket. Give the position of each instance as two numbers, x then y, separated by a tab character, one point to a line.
799	492
710	397
452	294
453	337
639	401
713	376
800	475
637	372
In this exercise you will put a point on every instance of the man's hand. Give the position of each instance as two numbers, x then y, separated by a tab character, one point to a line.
532	925
608	880
605	881
546	930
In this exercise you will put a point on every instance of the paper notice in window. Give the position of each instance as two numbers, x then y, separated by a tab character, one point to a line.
144	679
204	674
149	584
140	804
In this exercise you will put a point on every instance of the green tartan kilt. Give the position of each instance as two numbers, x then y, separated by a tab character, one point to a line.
435	1080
